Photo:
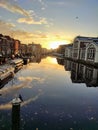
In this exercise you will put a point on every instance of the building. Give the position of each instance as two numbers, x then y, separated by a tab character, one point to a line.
1	41
16	47
79	46
34	49
92	52
37	49
61	49
8	46
23	49
9	43
3	45
68	51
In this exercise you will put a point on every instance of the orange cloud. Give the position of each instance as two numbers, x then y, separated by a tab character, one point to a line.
30	20
13	8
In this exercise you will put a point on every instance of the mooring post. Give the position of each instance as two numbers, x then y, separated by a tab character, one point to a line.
16	113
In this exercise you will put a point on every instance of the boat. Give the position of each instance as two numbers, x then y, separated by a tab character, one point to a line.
17	64
6	73
26	60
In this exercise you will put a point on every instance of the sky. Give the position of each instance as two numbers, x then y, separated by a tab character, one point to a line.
48	22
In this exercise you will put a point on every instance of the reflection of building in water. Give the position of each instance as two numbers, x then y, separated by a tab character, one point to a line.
77	73
36	59
67	65
60	61
91	77
81	73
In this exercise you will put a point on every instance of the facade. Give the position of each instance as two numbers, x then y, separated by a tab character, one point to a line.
1	41
68	51
44	51
34	49
79	46
29	49
92	52
23	49
61	49
3	46
8	46
16	47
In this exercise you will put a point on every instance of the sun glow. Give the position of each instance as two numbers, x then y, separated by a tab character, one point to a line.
55	44
52	60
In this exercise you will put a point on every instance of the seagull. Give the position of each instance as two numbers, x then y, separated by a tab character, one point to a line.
20	97
77	17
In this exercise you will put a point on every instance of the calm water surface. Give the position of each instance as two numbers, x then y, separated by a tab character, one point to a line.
57	94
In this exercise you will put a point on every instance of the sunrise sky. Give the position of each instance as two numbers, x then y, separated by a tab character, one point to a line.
48	22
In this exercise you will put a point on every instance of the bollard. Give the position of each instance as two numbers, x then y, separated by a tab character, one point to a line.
16	113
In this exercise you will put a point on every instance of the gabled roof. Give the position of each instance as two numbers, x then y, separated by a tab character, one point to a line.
83	38
93	43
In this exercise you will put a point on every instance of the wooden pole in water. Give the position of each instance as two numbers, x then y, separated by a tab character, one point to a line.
16	113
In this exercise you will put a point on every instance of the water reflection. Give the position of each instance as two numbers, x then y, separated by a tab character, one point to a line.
36	59
53	98
60	61
82	74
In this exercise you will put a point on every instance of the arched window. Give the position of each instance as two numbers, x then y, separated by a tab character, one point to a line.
91	53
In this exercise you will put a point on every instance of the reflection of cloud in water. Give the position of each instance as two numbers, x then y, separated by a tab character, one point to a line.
14	87
25	84
25	78
8	106
41	80
31	99
5	106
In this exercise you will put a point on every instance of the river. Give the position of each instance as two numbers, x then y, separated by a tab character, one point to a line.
57	95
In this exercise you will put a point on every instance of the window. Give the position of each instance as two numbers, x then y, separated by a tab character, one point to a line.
91	53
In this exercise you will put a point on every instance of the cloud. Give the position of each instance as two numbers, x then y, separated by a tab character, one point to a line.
66	3
43	4
13	8
26	37
30	15
44	36
30	20
6	27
